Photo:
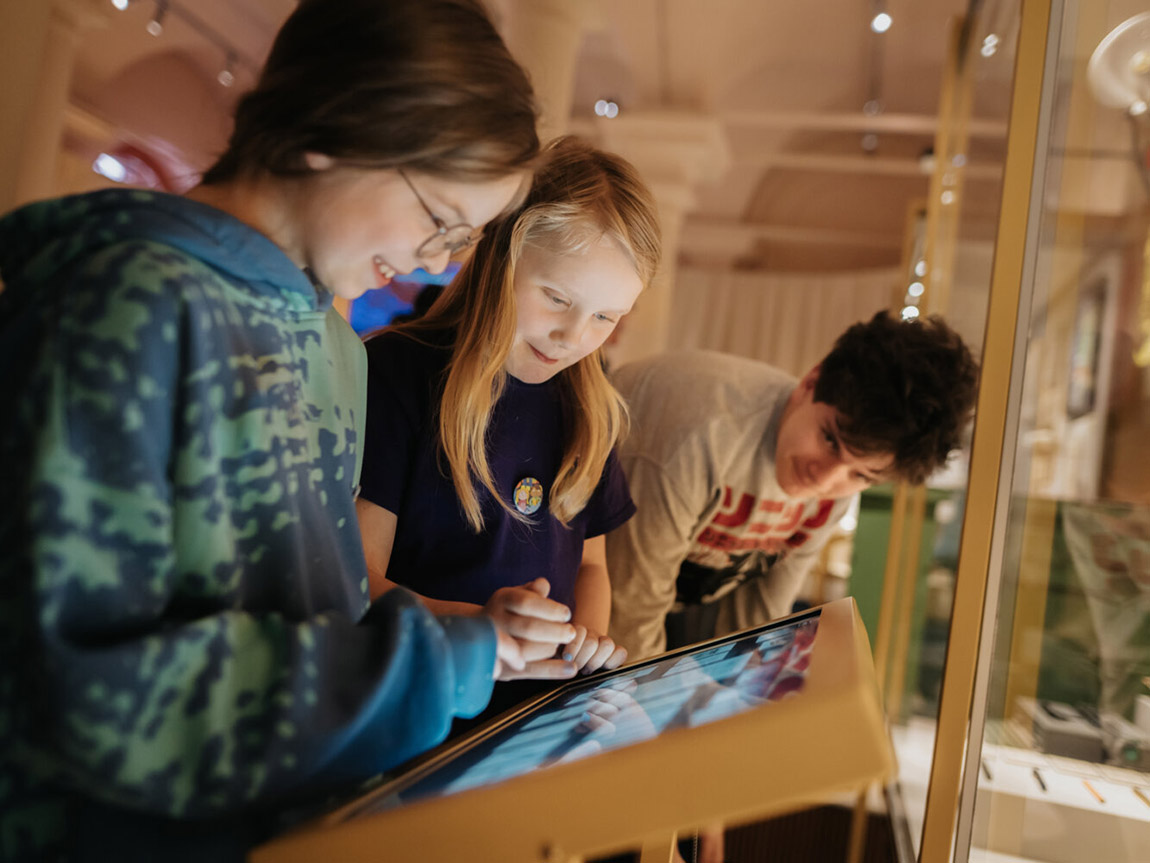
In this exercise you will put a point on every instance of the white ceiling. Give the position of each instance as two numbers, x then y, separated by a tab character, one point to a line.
787	79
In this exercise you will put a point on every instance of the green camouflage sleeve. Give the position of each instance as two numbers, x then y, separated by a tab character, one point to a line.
185	596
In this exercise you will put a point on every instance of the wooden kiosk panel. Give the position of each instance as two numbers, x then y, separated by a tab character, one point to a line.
804	721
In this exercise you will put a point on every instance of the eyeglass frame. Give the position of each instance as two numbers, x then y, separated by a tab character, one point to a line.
442	229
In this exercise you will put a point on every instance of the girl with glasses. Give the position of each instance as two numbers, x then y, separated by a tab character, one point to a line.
489	477
182	620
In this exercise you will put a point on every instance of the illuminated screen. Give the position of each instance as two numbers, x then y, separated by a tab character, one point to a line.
376	309
682	690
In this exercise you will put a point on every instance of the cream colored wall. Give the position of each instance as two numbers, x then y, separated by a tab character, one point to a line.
36	61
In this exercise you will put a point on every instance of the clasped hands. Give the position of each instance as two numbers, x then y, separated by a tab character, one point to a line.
536	638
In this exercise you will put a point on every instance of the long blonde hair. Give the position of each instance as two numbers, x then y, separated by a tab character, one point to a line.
579	195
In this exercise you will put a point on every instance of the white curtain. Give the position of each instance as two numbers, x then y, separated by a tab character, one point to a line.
787	320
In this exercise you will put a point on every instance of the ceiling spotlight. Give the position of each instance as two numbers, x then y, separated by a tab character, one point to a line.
909	313
227	77
869	142
916	289
1137	108
989	46
947	198
109	166
121	4
156	25
606	108
881	22
920	268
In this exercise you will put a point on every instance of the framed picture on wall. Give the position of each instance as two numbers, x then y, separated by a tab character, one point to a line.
1082	390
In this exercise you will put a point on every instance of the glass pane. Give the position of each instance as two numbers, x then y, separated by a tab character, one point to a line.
958	256
1066	749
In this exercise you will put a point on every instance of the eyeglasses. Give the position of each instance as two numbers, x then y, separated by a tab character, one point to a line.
447	238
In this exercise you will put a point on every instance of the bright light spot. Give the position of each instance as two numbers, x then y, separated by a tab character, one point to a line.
947	197
915	289
604	108
989	46
869	142
1138	108
872	107
120	4
226	78
909	313
155	27
881	22
850	520
920	268
110	167
1140	62
945	511
958	160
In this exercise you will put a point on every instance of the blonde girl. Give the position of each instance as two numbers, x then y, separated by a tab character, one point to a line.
489	475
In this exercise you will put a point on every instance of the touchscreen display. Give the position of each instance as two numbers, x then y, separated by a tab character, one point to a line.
682	690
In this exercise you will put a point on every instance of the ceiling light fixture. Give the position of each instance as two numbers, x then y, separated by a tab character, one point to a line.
156	25
606	108
166	10
227	76
872	106
109	166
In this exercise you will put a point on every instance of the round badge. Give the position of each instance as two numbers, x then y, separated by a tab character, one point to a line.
528	495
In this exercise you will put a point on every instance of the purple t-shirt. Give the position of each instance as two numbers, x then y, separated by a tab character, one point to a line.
436	553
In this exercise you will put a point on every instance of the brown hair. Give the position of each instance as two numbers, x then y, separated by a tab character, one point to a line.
580	194
422	84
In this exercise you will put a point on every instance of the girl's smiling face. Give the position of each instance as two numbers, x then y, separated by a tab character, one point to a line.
358	228
567	305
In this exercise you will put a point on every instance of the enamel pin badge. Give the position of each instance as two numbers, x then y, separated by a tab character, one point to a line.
528	495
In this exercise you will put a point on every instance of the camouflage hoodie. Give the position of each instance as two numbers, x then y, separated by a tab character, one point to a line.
182	577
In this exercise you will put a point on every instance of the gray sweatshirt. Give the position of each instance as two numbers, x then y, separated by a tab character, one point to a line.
713	525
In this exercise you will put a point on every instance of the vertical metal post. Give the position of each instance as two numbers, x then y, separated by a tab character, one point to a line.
959	730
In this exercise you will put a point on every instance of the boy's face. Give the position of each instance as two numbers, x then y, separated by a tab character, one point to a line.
810	458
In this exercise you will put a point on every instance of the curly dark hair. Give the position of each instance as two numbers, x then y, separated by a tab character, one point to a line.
903	387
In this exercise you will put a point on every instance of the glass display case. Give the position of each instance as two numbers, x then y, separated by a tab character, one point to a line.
1061	720
1036	746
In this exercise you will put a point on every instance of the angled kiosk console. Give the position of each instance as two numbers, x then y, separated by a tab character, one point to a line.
763	722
